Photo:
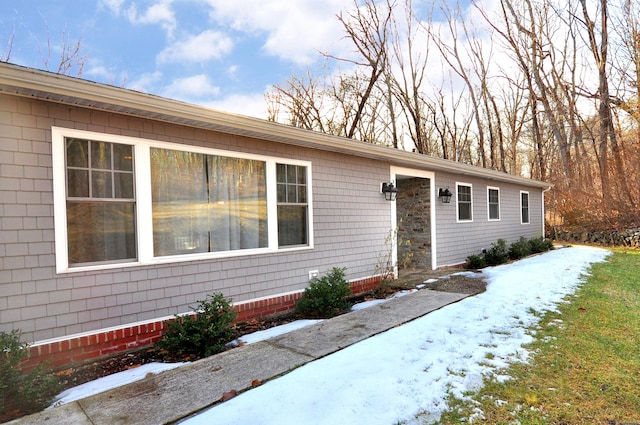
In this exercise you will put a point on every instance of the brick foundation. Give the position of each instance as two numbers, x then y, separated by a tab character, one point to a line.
77	349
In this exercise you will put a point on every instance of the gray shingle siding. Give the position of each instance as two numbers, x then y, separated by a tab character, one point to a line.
350	224
457	240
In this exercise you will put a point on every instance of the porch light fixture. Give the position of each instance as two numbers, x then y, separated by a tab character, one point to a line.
445	195
389	191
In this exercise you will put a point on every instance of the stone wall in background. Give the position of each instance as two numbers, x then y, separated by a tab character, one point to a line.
629	238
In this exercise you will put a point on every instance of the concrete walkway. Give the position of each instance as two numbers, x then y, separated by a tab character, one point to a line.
175	394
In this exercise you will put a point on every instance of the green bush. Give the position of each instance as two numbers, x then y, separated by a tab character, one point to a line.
203	334
325	297
22	393
497	254
540	245
475	262
519	249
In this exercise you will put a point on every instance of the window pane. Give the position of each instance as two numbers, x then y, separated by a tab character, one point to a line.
302	175
302	194
493	196
123	157
493	211
123	185
464	211
292	175
101	185
464	193
207	203
292	194
281	173
101	231
101	155
77	183
292	225
77	153
282	192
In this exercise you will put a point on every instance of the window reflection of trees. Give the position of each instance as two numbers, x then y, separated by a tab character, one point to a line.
207	203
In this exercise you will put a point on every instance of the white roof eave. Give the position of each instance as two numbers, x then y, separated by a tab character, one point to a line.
57	88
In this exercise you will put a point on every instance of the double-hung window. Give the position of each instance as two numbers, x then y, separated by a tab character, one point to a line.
524	207
292	205
120	200
100	202
464	200
493	202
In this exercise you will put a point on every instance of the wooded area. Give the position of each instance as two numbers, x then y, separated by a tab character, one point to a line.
544	89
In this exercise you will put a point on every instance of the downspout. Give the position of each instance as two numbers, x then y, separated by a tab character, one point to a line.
543	211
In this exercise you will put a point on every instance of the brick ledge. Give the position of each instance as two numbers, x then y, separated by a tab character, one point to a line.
60	352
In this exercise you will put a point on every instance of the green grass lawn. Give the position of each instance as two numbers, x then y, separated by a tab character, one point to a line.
585	366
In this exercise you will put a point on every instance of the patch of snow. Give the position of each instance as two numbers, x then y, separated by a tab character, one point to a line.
276	331
407	373
112	381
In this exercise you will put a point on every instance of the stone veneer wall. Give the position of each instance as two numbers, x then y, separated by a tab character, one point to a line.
414	224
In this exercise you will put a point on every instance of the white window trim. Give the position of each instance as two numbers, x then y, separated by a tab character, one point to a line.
458	220
528	207
499	204
144	223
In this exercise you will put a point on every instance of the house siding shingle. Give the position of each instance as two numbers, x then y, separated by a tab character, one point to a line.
457	240
349	221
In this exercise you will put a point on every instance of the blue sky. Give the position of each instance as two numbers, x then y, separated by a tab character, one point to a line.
219	53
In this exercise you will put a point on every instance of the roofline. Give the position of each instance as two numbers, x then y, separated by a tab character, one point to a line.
44	85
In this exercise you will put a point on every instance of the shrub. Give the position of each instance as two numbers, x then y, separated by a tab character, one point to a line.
519	249
540	244
203	334
475	262
497	254
22	394
325	297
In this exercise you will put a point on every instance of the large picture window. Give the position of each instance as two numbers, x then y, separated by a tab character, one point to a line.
100	202
465	202
207	203
121	200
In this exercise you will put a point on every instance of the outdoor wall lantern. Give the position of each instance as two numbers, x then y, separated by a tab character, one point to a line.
445	195
389	191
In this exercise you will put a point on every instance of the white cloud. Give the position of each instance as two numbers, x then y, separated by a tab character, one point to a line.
249	104
191	89
158	13
199	48
296	31
113	5
146	82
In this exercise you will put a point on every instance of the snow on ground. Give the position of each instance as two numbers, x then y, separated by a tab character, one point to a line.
276	330
405	374
128	376
111	381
